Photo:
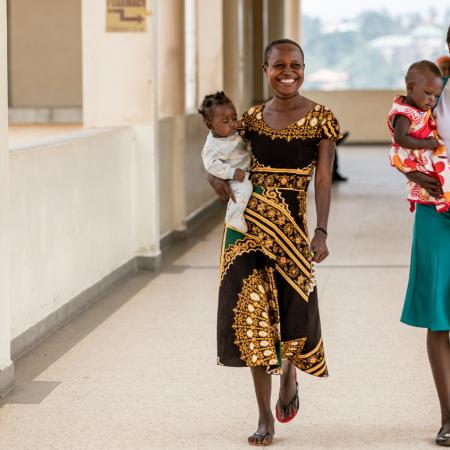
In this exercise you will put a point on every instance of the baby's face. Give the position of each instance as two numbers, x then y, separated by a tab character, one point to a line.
223	121
425	89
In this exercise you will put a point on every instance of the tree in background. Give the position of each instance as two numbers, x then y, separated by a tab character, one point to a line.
372	50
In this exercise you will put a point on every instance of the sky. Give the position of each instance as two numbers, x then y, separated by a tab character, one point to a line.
330	10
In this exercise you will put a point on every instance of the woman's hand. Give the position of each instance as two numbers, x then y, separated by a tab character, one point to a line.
222	188
319	246
430	184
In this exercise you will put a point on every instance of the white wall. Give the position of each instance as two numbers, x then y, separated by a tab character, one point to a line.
363	113
72	212
72	221
210	47
6	370
117	72
197	190
44	53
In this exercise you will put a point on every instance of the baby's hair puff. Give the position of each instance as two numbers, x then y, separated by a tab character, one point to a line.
211	101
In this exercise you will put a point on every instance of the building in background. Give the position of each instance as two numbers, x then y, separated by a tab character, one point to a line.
102	168
368	46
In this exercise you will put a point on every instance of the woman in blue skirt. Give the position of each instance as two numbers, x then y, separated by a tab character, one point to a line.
427	302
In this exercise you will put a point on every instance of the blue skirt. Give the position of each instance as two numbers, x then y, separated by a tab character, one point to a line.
427	302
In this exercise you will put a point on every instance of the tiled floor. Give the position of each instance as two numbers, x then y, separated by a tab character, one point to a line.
137	371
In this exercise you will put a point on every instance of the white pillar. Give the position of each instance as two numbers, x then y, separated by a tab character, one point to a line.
191	54
171	91
292	24
210	47
275	19
260	38
171	57
237	59
119	89
6	365
272	19
231	51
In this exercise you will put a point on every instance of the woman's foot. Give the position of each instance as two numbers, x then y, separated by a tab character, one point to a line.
264	434
288	402
445	428
443	436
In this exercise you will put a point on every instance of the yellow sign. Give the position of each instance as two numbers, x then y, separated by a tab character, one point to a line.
126	15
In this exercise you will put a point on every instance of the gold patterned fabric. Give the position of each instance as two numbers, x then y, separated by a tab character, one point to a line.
318	123
268	306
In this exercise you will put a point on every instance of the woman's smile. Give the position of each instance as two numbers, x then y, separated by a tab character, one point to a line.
287	81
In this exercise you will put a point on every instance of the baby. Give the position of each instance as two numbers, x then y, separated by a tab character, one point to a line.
415	142
226	156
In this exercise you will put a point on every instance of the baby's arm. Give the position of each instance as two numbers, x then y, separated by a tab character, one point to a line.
401	137
216	165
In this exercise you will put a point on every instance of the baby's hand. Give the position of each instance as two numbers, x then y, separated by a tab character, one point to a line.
431	143
239	175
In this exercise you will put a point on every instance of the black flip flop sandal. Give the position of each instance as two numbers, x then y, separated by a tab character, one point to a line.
443	439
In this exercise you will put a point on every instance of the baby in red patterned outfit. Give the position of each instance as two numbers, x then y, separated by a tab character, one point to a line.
415	142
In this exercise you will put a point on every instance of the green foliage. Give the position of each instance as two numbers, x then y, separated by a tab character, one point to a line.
373	24
372	50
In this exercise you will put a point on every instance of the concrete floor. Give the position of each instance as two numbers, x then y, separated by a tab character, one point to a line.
137	370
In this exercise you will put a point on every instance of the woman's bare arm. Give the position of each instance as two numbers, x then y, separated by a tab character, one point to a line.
322	185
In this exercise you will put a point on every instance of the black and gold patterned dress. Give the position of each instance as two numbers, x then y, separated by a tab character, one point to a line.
268	307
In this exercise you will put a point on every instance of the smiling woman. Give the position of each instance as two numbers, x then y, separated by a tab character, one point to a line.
268	316
297	66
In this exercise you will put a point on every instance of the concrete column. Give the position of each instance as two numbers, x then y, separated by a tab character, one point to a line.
259	41
247	51
272	19
231	50
267	26
6	365
236	35
210	47
171	58
119	89
171	91
283	19
191	53
292	20
275	13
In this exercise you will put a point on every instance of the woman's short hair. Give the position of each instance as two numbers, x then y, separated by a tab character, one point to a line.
211	101
448	35
276	42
